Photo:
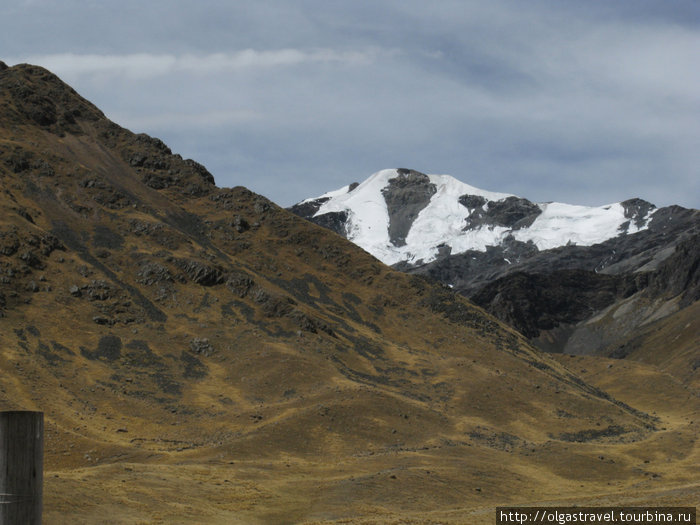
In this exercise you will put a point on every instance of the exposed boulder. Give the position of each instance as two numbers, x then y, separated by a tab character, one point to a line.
240	224
151	273
239	283
98	290
201	346
201	273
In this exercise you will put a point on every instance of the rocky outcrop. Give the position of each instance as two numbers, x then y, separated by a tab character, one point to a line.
511	212
43	99
405	196
40	97
201	273
334	221
307	209
636	209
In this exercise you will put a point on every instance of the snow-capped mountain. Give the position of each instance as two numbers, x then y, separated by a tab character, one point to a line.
403	216
551	270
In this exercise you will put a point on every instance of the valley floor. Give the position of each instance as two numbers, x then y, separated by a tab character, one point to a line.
449	482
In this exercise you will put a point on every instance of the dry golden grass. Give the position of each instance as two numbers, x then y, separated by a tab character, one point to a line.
335	390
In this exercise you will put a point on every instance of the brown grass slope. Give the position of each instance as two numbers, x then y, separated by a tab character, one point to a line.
203	356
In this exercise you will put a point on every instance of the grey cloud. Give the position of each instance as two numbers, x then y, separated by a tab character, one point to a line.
582	102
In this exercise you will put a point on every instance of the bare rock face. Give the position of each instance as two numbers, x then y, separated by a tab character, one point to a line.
201	273
511	212
405	197
679	274
334	221
309	208
636	210
536	302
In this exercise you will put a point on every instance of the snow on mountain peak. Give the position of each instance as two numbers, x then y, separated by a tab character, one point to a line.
401	215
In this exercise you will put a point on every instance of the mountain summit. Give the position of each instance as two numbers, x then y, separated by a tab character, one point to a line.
548	269
404	216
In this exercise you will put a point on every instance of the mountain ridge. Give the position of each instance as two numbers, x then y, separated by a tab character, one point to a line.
439	211
547	269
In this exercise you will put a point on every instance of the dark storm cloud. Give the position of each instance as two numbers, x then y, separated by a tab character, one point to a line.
583	102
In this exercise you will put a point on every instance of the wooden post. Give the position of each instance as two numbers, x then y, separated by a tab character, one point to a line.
21	467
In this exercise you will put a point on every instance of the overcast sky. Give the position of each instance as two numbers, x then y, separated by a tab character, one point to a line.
579	101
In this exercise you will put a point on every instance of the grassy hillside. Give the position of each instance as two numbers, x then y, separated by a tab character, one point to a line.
203	356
